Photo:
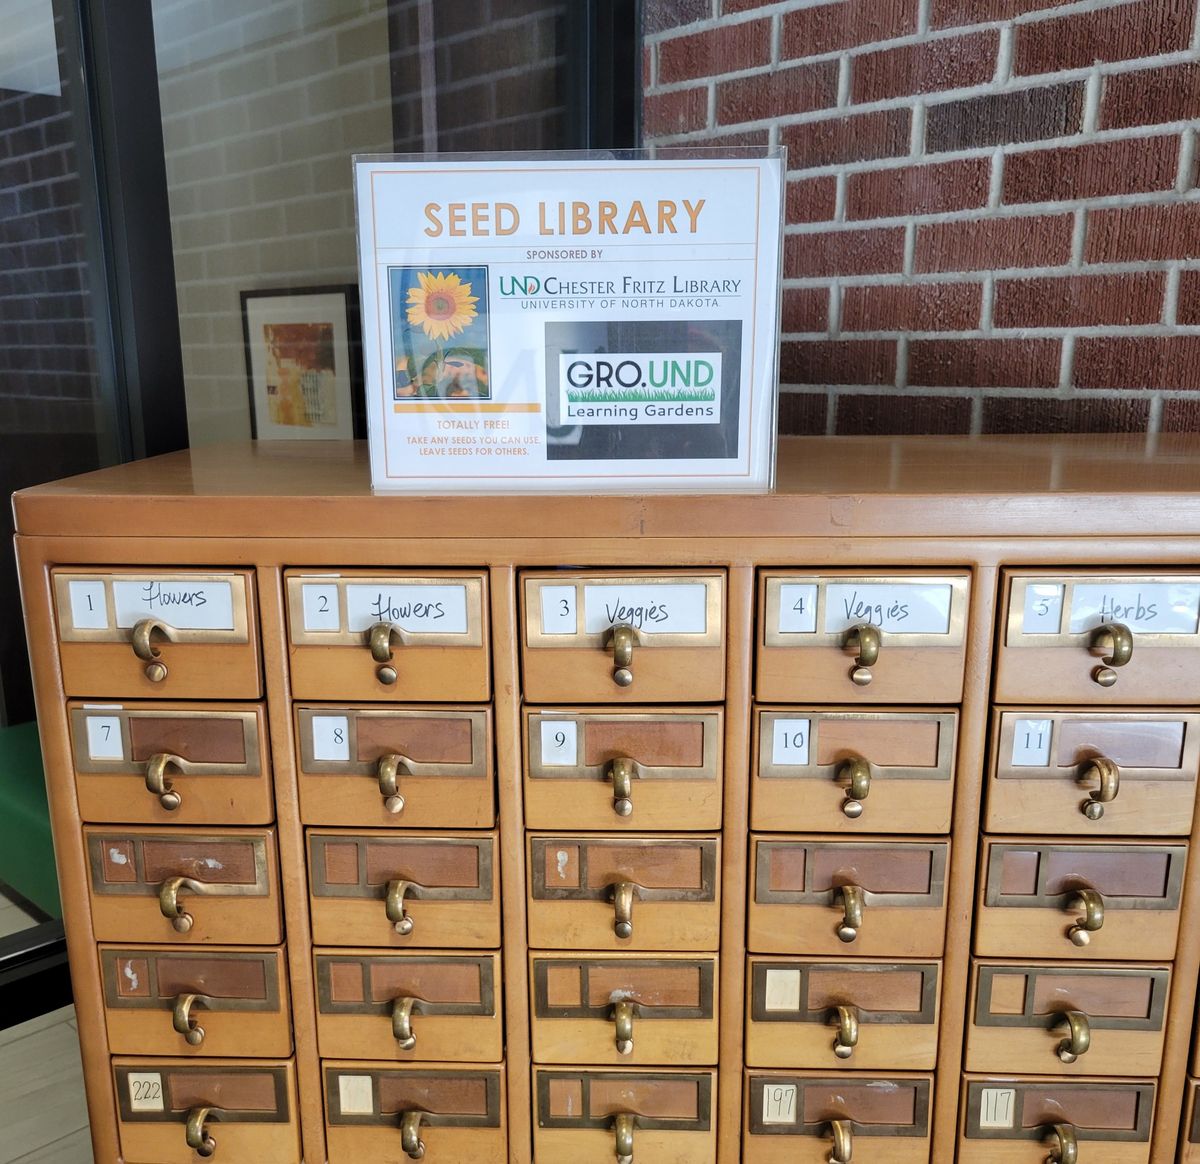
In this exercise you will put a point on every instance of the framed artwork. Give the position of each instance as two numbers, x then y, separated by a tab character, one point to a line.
304	363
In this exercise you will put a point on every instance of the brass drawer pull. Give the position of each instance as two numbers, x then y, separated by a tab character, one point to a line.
846	1039
380	639
402	1030
410	1135
843	1142
852	899
623	896
622	771
864	641
390	767
1116	639
1092	904
1109	775
184	1021
394	905
620	641
172	908
143	646
623	1013
623	1126
196	1133
1079	1035
1065	1149
857	775
157	782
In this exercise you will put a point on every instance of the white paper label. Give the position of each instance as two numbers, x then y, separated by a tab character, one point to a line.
180	603
331	738
320	607
1043	608
779	1103
104	738
356	1095
559	616
782	990
1031	743
797	608
661	608
1150	608
914	608
145	1091
789	744
432	609
89	611
560	744
997	1107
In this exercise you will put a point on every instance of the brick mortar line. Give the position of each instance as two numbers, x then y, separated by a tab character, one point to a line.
967	391
1088	331
979	274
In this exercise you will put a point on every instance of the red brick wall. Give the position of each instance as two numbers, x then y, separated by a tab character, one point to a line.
993	220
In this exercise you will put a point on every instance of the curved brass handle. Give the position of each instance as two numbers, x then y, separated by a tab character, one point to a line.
621	640
846	1038
1092	904
623	1126
410	1135
184	1022
171	907
1065	1149
402	1030
623	1013
394	905
843	1142
623	895
196	1133
864	641
853	900
388	771
380	639
857	774
1079	1035
157	782
142	639
1109	775
1116	639
622	771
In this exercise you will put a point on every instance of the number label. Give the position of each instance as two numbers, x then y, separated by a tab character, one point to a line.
1043	608
321	607
790	740
89	609
797	608
145	1091
1031	743
331	738
779	1103
560	743
104	738
356	1095
997	1107
559	614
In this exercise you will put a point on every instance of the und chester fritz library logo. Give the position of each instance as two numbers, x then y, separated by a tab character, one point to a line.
633	388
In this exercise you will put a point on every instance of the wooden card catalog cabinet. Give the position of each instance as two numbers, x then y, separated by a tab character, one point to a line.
1189	1148
360	635
629	638
188	764
160	635
1100	639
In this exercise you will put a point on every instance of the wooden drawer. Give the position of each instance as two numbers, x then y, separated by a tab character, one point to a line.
407	889
421	767
230	1110
1189	1148
861	637
627	638
192	764
807	1118
1097	773
221	885
1072	637
1015	1121
361	634
624	893
594	1117
853	771
418	1006
651	769
872	1016
1038	899
446	1116
162	634
1067	1020
624	1010
161	1000
871	898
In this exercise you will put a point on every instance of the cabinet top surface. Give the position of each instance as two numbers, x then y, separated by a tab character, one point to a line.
827	486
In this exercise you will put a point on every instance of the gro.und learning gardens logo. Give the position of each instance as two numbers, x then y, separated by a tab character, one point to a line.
640	388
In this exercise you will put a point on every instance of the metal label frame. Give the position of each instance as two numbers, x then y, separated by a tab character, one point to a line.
379	1118
918	1129
324	963
281	1115
543	1010
540	890
98	838
365	890
925	1016
214	1003
703	1081
975	1088
765	895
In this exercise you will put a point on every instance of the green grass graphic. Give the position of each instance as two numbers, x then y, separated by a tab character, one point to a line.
638	395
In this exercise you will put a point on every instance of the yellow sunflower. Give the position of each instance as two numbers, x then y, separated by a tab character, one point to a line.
442	306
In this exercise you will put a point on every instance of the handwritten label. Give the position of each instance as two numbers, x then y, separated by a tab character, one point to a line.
145	1091
1043	608
789	741
915	608
320	607
1031	743
356	1095
1165	608
997	1107
782	990
797	608
181	603
432	609
559	616
104	738
560	743
662	608
331	738
779	1103
89	610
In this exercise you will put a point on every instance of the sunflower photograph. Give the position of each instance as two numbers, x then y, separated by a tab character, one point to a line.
439	333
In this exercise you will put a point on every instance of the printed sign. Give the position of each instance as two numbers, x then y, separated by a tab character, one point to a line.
595	324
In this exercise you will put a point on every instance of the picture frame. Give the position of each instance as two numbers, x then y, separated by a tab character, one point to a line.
303	348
